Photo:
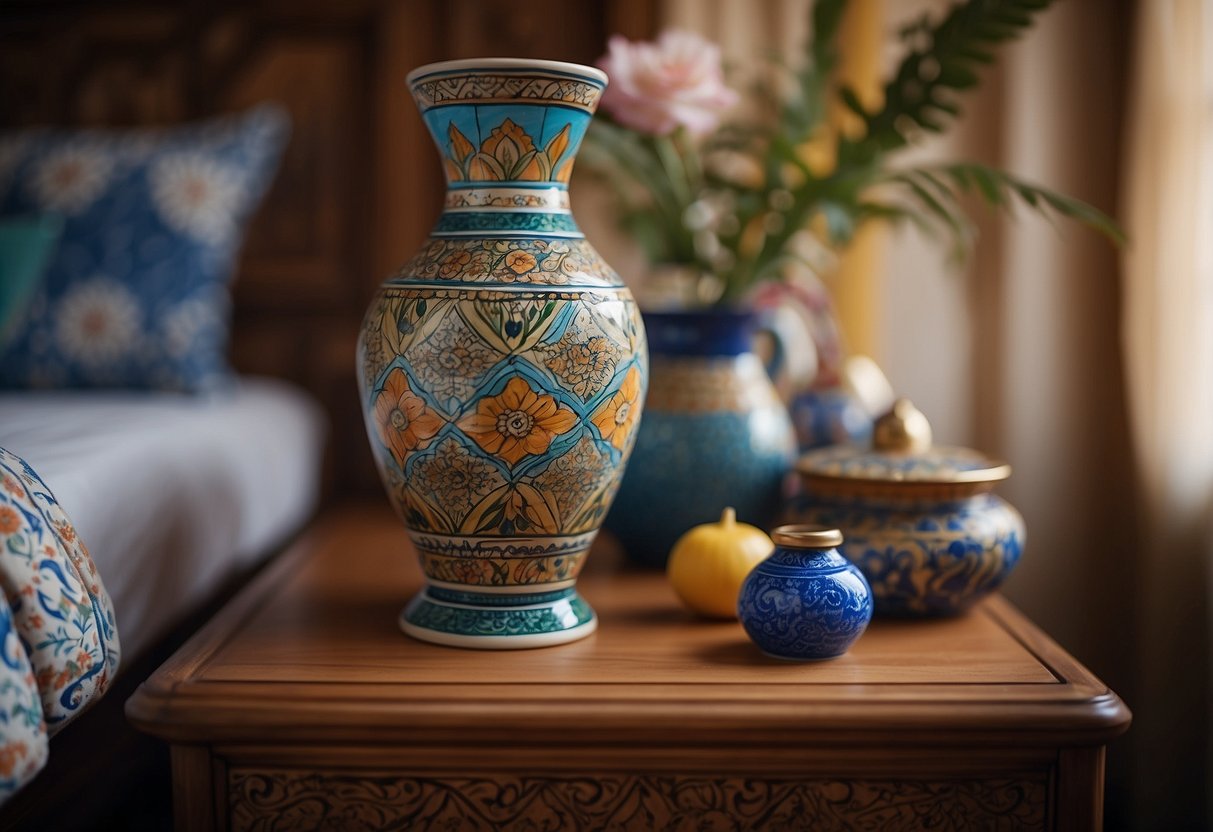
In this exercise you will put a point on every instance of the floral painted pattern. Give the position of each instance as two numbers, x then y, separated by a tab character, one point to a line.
584	366
574	476
486	571
59	646
403	419
498	197
507	155
517	422
152	220
924	556
524	456
456	479
617	417
451	362
584	358
546	262
516	509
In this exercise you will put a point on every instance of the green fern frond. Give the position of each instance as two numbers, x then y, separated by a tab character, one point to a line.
943	59
1000	189
934	191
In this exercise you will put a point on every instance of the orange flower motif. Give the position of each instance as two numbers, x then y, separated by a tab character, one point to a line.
454	264
66	532
519	262
517	422
507	154
10	521
12	486
617	416
402	418
10	754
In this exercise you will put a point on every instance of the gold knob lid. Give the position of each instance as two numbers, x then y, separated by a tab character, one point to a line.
807	537
902	430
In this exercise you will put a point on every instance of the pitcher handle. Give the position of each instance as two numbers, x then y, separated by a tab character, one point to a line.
791	359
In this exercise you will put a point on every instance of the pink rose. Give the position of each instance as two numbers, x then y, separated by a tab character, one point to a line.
657	87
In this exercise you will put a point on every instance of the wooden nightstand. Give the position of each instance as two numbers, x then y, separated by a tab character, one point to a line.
301	706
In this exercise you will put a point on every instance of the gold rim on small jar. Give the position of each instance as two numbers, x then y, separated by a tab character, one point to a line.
807	537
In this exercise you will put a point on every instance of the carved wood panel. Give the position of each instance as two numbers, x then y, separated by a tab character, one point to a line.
301	800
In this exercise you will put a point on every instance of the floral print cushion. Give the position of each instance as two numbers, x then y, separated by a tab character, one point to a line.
23	738
136	294
57	625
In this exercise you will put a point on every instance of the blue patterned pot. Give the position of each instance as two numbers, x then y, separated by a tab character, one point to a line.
806	601
715	434
919	520
828	415
502	370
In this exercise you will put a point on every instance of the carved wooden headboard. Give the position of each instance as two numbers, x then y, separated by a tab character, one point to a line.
359	185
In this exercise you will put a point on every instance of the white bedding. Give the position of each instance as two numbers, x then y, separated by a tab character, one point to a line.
172	494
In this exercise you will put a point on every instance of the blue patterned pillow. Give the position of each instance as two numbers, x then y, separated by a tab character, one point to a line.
136	294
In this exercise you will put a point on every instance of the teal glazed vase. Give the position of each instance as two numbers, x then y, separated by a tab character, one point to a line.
502	370
919	520
805	602
715	434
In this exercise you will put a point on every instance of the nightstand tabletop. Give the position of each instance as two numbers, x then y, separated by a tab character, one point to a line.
306	670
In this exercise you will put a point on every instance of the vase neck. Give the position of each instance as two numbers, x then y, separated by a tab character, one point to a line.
545	197
507	131
507	209
709	334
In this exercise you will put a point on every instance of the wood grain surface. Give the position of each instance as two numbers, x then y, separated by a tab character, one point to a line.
302	706
312	648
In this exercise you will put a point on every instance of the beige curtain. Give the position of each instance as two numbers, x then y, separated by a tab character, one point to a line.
1168	338
1022	353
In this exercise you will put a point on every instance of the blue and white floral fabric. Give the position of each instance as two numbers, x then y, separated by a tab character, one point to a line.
137	293
24	745
59	647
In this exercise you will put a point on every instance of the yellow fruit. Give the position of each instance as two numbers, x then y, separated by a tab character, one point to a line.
708	564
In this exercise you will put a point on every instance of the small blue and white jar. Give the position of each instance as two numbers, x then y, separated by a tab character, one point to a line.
806	601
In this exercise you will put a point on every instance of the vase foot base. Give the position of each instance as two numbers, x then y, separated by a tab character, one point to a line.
490	622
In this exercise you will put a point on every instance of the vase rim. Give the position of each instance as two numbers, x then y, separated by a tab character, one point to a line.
582	71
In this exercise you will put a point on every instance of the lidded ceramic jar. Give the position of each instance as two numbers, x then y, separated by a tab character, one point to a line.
806	601
920	521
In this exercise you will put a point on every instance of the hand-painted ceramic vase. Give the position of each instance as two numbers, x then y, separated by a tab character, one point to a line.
919	521
806	601
715	434
502	370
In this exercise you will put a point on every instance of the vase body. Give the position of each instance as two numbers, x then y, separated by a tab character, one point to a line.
922	556
805	604
502	370
715	434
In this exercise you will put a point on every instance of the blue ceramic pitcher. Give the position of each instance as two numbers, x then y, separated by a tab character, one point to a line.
715	434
